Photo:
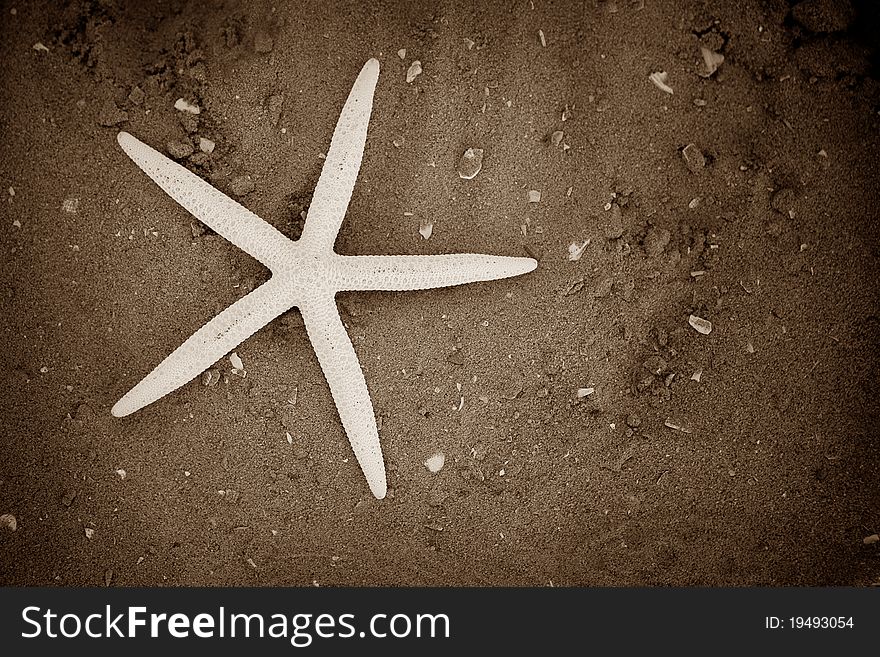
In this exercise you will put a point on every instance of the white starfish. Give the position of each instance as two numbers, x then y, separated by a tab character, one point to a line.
306	274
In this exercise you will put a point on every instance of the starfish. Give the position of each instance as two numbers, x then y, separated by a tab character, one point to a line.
306	274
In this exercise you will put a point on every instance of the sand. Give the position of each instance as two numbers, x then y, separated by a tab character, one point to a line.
747	198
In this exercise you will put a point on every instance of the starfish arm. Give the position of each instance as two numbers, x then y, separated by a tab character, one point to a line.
409	272
336	183
347	385
207	345
209	205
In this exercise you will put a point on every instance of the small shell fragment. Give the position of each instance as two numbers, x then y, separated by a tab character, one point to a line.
470	164
89	532
402	53
542	38
236	361
415	69
206	145
39	47
693	157
121	473
696	376
210	377
659	79
426	229
700	325
870	540
8	522
575	250
712	60
556	137
585	392
184	106
435	462
672	424
289	438
534	196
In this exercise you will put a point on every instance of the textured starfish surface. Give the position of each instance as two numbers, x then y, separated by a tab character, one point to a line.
307	274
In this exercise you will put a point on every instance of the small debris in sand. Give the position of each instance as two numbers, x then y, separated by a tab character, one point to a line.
712	60
236	361
179	149
206	145
435	462
39	47
633	421
426	229
121	473
68	497
868	540
414	71
275	105
750	348
402	53
108	577
184	106
693	157
566	114
229	494
783	201
242	185
542	38
696	376
575	250
89	532
137	96
585	392
251	563
574	287
70	205
656	240
556	138
469	43
289	438
111	115
8	522
470	163
534	196
700	325
659	79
